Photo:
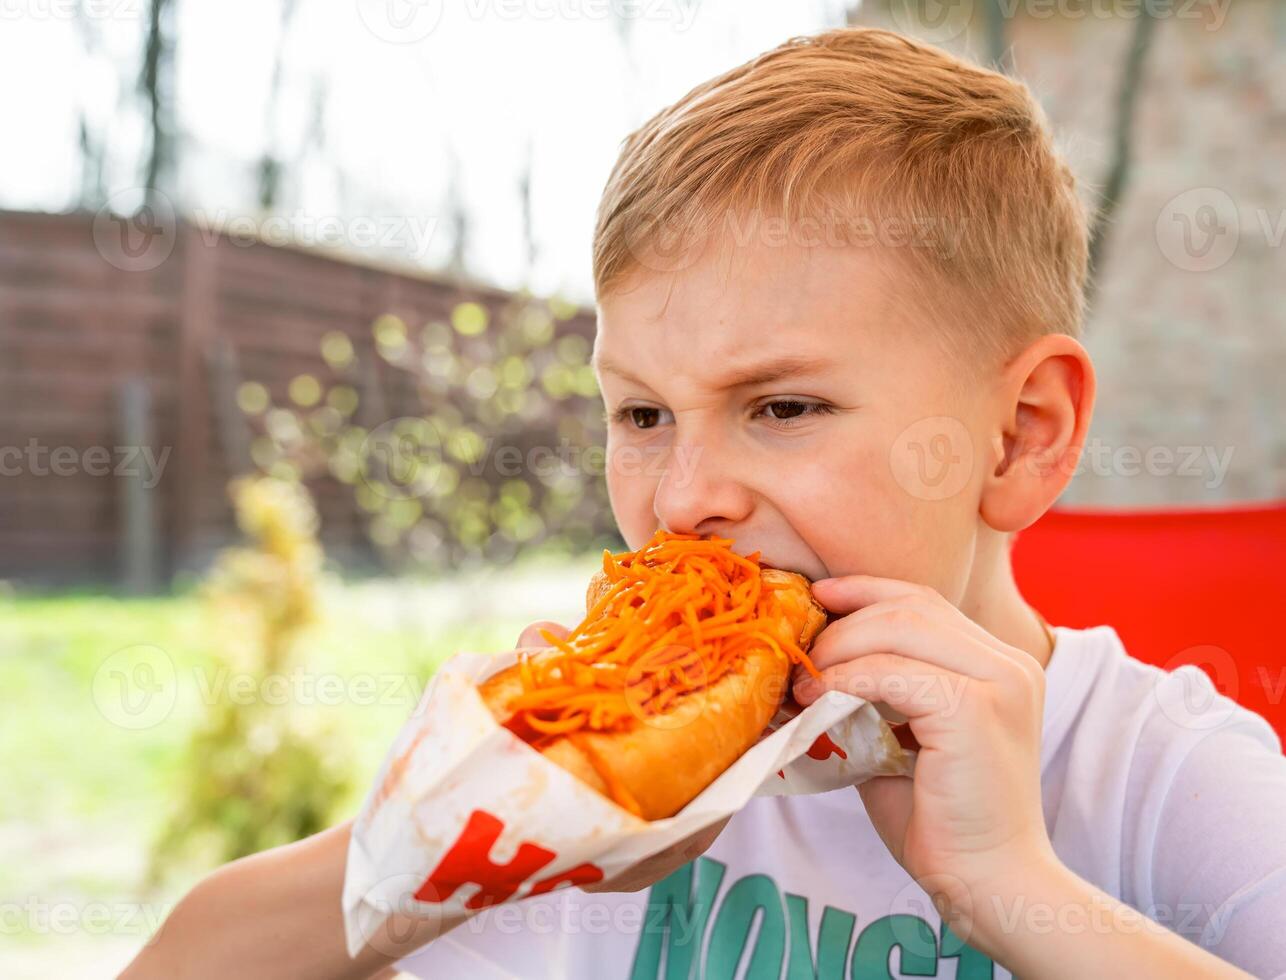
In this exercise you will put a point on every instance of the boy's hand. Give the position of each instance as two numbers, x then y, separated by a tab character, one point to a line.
650	870
530	637
973	812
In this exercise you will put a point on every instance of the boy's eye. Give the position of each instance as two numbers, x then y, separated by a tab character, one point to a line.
645	418
640	416
784	411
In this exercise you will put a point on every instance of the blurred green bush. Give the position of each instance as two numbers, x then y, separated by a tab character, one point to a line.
506	452
261	771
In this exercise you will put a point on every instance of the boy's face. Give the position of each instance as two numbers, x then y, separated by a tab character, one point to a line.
863	454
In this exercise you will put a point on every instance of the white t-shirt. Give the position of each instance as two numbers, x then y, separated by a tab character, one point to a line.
1157	789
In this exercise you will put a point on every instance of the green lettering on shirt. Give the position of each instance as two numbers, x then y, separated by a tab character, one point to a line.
970	964
754	896
682	908
833	938
675	920
910	934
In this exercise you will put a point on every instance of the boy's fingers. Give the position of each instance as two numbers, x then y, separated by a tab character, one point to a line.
856	594
848	593
530	637
915	635
914	688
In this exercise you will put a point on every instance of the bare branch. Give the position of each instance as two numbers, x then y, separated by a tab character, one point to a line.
1118	173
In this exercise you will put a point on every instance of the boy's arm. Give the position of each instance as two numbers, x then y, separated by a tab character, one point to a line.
275	914
1048	922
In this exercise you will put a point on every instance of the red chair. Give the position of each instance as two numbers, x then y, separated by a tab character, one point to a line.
1199	587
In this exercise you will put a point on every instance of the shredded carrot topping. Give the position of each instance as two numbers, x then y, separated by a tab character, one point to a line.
680	613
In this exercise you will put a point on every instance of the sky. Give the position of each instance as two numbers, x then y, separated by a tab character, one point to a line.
409	87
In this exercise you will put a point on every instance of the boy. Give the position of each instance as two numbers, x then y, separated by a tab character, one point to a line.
839	293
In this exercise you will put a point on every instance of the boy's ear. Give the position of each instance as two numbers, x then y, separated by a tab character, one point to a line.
1046	400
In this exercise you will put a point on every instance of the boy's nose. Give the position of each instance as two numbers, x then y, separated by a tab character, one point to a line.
701	491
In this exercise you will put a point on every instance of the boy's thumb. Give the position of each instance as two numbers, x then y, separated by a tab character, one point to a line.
888	802
530	637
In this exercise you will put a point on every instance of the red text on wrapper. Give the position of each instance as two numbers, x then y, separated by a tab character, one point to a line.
469	862
823	748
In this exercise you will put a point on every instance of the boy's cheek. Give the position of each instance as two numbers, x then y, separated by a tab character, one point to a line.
933	546
882	530
632	497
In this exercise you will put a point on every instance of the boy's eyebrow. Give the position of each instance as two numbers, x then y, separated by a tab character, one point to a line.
777	368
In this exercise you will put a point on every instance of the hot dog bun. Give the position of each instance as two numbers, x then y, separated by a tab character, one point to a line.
654	763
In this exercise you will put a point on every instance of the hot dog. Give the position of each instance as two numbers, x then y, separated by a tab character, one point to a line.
681	661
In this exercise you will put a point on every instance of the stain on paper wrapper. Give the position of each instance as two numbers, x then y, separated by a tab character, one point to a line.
463	815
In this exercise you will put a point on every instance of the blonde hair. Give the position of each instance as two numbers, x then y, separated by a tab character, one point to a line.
863	128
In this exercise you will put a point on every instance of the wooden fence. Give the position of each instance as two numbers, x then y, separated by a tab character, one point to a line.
107	356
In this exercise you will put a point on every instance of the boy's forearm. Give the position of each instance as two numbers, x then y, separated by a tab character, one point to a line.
1047	922
275	914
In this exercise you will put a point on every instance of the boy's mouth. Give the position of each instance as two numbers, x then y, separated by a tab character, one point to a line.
767	560
786	566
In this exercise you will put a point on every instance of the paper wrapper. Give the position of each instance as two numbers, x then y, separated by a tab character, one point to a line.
464	814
